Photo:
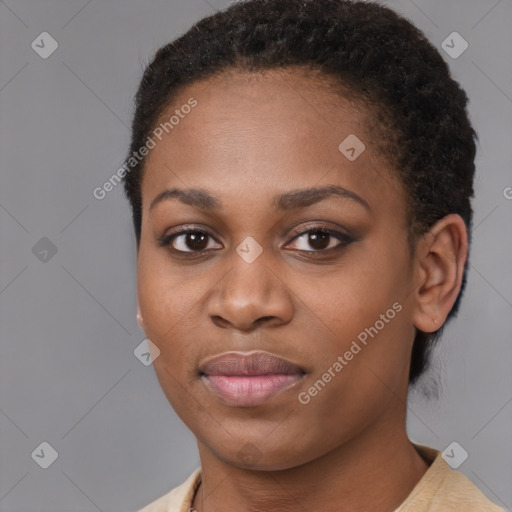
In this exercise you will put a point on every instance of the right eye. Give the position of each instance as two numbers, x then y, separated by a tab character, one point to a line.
191	240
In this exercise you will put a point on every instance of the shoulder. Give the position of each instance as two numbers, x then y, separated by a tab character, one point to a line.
178	499
443	489
460	493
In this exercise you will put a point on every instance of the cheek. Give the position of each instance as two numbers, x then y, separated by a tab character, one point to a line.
357	376
173	303
360	313
163	300
350	298
165	292
168	303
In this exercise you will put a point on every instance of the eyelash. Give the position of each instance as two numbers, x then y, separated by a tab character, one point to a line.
344	239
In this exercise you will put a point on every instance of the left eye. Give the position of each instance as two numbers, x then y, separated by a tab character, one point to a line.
320	239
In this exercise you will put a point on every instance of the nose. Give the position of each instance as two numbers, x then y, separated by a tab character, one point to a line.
250	295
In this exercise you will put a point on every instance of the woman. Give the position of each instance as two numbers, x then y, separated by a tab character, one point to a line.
300	176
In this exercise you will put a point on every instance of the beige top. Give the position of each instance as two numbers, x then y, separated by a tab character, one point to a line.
441	489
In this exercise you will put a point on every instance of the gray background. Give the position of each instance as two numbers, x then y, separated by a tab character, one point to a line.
68	329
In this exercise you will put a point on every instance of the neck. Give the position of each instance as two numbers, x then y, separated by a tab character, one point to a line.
363	474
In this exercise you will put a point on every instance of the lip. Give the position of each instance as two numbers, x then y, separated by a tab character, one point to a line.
249	378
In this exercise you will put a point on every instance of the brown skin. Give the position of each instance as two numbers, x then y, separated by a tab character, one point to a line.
249	138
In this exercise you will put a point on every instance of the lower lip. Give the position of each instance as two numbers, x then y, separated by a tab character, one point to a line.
248	390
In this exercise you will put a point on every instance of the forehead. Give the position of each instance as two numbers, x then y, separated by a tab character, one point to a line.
279	128
315	102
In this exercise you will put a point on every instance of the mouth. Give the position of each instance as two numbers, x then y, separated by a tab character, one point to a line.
249	379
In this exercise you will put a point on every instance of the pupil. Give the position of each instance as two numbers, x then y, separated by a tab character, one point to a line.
319	239
196	241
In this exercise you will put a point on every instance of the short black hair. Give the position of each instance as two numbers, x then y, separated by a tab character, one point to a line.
375	55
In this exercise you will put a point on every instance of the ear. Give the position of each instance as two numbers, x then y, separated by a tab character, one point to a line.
139	317
442	255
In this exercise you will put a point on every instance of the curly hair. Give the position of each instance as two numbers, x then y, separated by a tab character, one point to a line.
376	57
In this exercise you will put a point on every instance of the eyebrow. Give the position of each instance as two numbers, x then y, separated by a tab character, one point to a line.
191	196
307	196
299	198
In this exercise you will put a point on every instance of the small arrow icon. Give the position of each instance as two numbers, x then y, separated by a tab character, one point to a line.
249	454
454	45
44	45
44	455
44	250
351	147
146	352
454	455
249	249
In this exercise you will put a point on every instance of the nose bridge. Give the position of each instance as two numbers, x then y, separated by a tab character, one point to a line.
249	282
250	291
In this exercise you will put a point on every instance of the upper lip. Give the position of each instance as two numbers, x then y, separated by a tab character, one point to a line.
248	363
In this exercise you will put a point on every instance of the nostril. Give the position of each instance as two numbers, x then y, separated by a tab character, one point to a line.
219	321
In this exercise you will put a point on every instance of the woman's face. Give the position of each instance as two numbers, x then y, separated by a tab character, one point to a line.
299	249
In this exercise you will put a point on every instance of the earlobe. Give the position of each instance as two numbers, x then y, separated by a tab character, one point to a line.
441	262
140	320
